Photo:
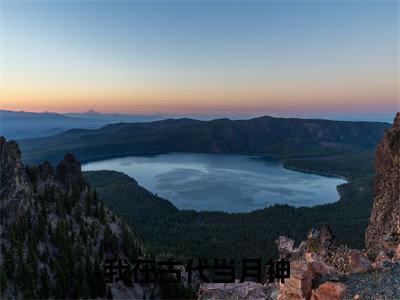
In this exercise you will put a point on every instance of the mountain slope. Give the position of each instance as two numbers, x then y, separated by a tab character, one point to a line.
384	227
164	229
284	138
56	233
321	268
21	124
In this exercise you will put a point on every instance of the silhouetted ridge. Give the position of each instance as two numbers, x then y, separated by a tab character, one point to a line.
284	138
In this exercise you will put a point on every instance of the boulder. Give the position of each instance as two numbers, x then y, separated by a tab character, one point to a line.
285	246
237	290
299	285
358	262
288	251
329	291
380	260
319	241
327	237
396	256
318	265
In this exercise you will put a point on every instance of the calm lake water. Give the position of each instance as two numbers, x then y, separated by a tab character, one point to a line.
232	183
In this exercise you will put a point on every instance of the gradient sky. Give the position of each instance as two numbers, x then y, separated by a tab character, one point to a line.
201	57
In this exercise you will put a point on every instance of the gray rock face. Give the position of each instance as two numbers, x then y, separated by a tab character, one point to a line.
321	268
15	188
237	290
383	232
299	285
59	207
358	262
68	172
46	176
320	240
285	246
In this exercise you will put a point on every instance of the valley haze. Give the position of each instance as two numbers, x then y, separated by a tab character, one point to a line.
23	124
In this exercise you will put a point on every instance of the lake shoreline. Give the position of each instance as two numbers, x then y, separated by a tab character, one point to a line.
236	183
284	165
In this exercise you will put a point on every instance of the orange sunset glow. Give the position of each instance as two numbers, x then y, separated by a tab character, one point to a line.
184	65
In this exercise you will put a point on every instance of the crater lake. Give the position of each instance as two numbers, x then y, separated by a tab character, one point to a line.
223	182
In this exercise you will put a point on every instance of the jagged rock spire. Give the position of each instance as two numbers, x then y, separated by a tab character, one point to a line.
396	122
12	172
10	162
383	231
69	173
16	185
15	188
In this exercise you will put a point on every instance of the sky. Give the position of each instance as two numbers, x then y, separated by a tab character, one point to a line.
201	57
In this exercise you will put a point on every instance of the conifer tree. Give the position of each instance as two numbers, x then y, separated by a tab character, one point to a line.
91	280
3	280
9	262
99	278
61	282
44	291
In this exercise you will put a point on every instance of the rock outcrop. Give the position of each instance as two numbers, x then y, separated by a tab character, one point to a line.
383	232
329	270
69	174
15	187
334	271
245	290
323	269
329	291
299	285
56	234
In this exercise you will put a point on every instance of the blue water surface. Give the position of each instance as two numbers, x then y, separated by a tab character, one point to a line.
223	182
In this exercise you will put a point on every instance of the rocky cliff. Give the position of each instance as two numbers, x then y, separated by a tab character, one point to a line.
322	268
15	188
55	233
383	232
328	270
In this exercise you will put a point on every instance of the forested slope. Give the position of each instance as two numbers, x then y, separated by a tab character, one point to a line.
166	230
343	149
55	232
288	139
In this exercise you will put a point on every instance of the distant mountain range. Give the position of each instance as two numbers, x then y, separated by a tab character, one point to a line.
281	137
114	117
21	124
